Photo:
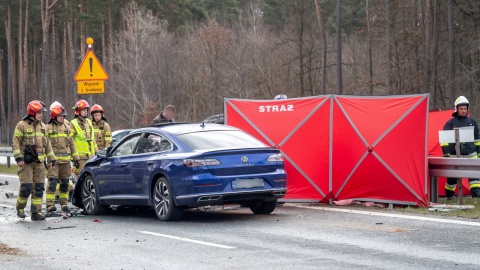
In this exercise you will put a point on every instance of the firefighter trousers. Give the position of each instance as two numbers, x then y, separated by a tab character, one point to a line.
32	182
58	176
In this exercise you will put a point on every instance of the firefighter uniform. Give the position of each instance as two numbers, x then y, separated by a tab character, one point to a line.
63	146
467	149
102	133
82	133
32	147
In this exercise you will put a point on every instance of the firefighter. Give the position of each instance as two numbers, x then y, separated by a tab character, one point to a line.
468	149
63	146
101	129
82	133
31	147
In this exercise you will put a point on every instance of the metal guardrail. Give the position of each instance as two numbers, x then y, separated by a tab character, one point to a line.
453	168
6	152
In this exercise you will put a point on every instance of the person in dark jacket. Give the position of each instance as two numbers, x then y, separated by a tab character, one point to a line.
467	149
165	116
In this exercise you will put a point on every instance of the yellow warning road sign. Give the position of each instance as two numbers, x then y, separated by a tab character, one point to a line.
90	87
90	69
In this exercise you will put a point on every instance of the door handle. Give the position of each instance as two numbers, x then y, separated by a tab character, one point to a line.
150	163
123	165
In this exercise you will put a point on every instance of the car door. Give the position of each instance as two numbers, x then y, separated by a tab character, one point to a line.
111	175
151	148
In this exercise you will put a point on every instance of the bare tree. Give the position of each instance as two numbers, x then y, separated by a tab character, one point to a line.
451	51
339	47
323	34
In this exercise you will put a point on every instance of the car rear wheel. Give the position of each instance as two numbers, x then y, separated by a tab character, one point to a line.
164	205
90	201
263	208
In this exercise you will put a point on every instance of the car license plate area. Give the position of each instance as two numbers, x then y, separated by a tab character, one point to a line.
247	183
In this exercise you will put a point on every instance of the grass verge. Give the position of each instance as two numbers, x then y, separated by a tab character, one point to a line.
468	213
5	170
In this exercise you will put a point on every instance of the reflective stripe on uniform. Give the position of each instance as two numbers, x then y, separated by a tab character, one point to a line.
63	195
450	187
34	134
444	144
18	133
476	142
50	196
58	135
17	152
36	201
22	200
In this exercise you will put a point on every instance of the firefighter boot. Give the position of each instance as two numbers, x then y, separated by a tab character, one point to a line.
21	213
475	192
36	215
450	194
51	208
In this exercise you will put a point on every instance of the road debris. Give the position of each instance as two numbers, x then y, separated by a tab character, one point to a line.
58	228
10	195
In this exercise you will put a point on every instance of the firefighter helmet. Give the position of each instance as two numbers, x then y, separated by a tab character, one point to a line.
34	107
80	105
44	106
460	101
55	103
96	108
57	110
280	97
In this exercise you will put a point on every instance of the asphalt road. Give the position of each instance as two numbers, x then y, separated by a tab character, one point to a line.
293	237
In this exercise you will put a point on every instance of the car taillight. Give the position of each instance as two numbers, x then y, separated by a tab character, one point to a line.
275	157
200	162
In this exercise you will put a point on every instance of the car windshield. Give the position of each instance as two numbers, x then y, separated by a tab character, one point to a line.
216	139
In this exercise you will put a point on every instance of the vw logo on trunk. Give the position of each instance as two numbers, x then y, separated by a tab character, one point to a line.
244	159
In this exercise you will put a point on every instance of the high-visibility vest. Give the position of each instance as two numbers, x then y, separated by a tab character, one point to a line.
84	146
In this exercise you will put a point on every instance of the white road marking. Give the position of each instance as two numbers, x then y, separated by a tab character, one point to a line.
9	206
187	240
9	175
450	221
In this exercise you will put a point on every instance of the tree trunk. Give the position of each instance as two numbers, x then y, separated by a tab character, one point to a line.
323	34
300	50
389	40
25	73
21	79
10	89
66	71
369	50
451	52
339	47
71	62
3	112
428	42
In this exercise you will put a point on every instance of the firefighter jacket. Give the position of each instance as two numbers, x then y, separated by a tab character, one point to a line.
61	137
33	133
82	130
103	133
470	149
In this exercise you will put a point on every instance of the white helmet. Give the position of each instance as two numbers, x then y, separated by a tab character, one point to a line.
280	97
461	100
55	103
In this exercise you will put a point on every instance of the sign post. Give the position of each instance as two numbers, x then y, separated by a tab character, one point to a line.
90	75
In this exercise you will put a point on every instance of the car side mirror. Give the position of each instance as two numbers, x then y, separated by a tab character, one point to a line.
102	153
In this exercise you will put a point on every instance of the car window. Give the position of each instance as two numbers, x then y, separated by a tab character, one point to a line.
219	139
127	147
153	143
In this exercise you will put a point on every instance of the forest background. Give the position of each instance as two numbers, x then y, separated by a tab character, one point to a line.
192	53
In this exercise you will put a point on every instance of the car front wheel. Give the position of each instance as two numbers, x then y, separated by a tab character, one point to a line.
164	205
90	201
263	208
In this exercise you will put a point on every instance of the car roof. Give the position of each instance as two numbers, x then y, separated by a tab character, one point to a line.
182	128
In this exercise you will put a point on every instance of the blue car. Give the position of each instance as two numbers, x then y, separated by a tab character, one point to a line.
175	166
